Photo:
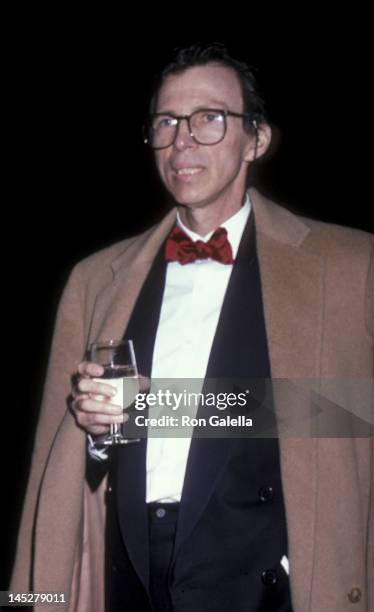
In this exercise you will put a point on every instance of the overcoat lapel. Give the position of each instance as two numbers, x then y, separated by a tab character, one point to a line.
112	309
116	301
292	286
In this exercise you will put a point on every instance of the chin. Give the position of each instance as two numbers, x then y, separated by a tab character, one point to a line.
190	200
187	193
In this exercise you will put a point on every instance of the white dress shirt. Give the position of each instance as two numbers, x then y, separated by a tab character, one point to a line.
190	310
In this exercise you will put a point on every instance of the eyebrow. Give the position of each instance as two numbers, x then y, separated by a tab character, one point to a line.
214	104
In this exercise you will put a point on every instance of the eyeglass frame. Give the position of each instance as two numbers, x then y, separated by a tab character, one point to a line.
179	118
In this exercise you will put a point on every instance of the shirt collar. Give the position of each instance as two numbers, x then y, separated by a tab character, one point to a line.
234	226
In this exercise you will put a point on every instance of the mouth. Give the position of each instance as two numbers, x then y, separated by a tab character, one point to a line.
187	173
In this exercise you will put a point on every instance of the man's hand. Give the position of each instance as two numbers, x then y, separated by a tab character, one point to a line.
93	404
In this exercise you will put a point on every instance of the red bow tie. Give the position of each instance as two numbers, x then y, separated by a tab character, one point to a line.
180	247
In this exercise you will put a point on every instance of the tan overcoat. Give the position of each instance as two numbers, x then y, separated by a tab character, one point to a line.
318	293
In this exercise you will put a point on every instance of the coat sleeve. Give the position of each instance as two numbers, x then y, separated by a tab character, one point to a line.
68	346
369	299
370	326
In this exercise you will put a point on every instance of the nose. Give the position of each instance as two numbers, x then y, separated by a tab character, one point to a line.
183	139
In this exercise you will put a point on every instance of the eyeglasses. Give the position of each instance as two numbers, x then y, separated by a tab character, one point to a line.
206	126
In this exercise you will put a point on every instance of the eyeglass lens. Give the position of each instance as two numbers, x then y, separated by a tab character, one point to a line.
206	126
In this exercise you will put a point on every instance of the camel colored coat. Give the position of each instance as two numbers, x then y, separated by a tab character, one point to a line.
318	293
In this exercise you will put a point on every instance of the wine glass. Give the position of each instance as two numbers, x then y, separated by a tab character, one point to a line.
118	360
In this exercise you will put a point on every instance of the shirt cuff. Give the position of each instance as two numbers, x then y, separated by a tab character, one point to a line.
96	450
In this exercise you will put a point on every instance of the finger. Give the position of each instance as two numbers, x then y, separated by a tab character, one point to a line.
87	368
88	385
90	405
89	420
76	394
97	430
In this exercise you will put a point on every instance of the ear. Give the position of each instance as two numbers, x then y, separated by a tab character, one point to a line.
259	143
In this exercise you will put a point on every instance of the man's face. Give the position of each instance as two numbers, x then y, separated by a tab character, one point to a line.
198	175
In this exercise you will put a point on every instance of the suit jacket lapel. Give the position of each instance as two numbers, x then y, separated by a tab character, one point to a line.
132	512
131	459
113	309
206	460
232	361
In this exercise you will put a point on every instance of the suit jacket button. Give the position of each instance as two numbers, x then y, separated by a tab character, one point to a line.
107	495
354	595
266	493
269	577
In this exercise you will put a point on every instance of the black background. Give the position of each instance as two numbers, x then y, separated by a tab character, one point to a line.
78	177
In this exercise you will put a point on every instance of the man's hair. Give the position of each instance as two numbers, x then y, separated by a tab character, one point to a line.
215	53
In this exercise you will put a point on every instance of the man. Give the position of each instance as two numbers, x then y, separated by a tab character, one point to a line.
205	524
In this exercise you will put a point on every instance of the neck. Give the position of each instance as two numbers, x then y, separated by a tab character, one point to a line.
203	220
